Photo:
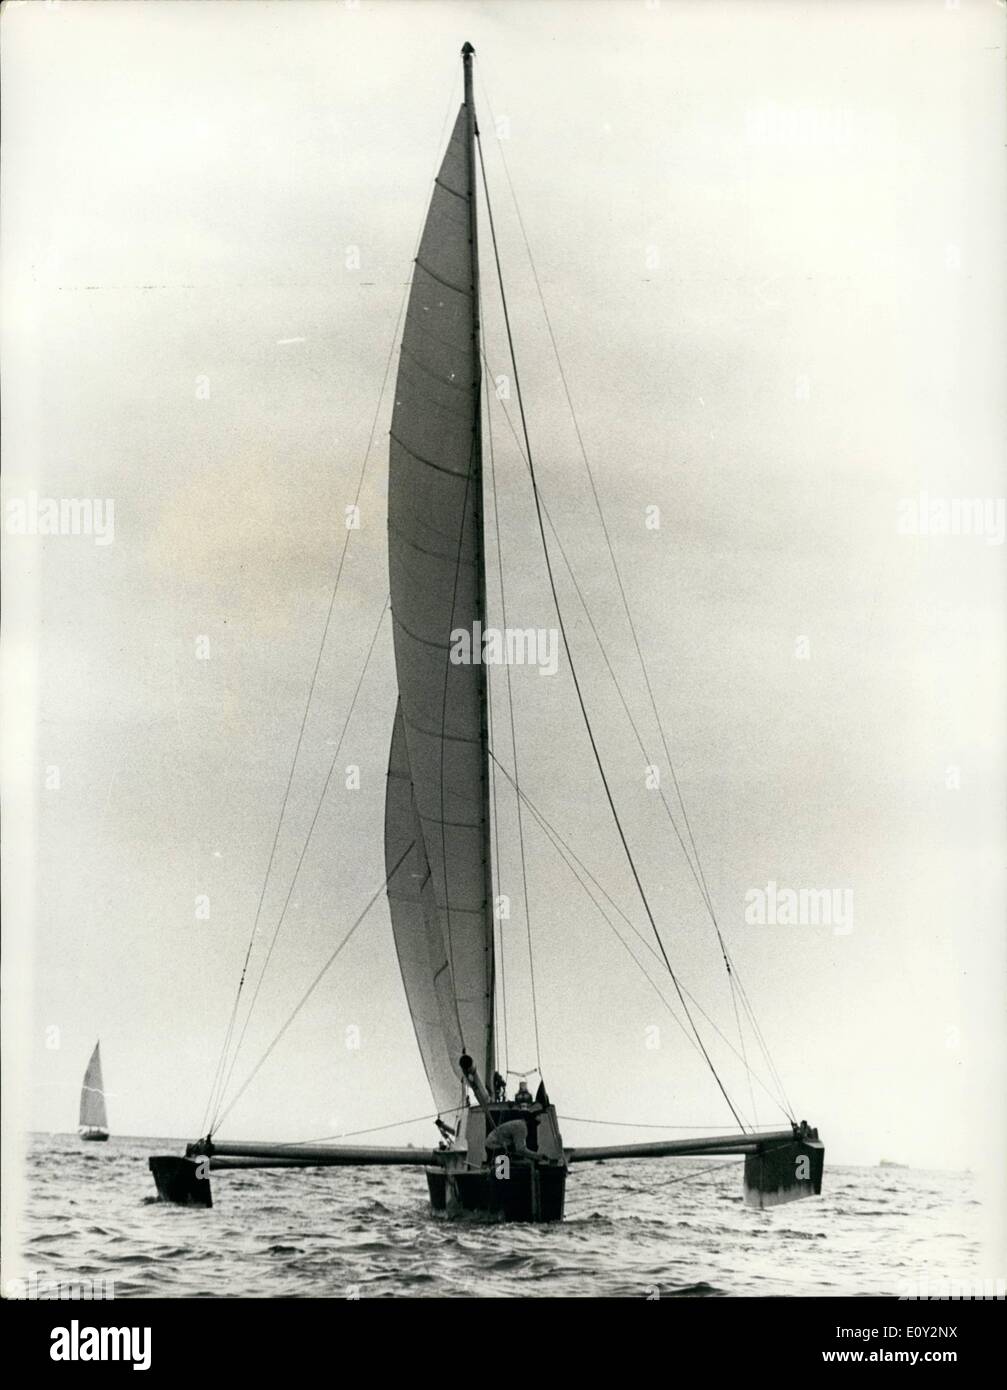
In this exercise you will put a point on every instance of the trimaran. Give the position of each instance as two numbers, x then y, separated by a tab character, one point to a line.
503	1158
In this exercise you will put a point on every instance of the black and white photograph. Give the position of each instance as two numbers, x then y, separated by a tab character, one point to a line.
504	668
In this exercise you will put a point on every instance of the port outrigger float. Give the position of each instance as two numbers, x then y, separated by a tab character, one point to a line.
501	1158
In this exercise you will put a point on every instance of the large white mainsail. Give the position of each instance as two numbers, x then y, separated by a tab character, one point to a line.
92	1094
441	897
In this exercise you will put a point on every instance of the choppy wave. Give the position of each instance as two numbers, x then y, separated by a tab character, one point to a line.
636	1231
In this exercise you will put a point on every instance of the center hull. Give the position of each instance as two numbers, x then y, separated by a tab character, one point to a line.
530	1192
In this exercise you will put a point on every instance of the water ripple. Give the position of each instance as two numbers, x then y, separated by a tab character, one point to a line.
632	1230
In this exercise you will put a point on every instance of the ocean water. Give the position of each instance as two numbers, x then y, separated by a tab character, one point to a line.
674	1227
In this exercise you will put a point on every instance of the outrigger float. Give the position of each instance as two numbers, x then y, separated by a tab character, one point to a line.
503	1159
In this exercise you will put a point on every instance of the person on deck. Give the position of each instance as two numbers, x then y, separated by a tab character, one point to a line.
511	1137
499	1087
522	1095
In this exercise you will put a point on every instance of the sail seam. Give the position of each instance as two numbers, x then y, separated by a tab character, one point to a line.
448	284
420	549
449	824
438	467
444	380
436	733
453	191
434	337
425	526
421	389
424	641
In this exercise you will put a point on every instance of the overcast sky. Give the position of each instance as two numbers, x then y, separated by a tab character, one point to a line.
769	238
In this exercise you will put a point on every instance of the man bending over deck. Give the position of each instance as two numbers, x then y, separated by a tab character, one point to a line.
511	1137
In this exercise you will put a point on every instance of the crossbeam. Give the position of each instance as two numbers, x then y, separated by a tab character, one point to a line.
310	1155
684	1148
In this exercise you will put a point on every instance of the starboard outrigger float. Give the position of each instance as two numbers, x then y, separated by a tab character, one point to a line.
501	1158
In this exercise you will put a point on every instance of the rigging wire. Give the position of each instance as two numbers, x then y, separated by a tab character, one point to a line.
374	1129
734	979
741	1041
513	741
698	871
573	671
473	462
316	982
705	1172
639	738
496	845
304	849
216	1090
604	527
568	855
630	1124
605	657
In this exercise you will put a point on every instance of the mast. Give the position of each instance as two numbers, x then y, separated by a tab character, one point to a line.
437	804
472	130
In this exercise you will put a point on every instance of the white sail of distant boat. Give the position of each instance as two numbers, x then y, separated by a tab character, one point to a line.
93	1116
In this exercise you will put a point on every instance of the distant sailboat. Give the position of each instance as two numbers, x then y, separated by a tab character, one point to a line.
93	1116
499	1157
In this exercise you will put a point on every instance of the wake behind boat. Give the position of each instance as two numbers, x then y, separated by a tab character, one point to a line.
503	1158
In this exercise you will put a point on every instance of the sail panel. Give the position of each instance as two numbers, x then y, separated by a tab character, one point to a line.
92	1095
434	545
416	927
435	338
439	418
444	255
454	171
